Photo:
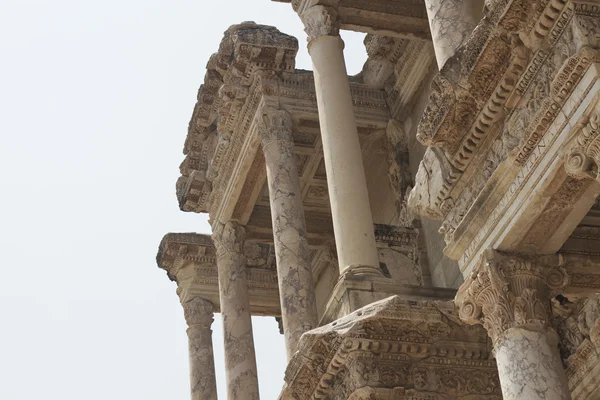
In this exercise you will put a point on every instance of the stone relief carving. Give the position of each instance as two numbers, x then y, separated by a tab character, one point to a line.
320	21
394	346
228	238
509	291
582	324
274	125
539	53
583	159
198	312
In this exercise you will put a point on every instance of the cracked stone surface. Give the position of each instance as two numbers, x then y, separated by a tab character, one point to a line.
530	367
199	317
296	286
451	23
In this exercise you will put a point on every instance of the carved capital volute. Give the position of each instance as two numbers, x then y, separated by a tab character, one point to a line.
198	312
274	125
320	21
228	238
508	291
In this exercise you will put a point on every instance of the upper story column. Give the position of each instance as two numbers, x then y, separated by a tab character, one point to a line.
198	314
511	296
296	286
451	23
350	208
240	358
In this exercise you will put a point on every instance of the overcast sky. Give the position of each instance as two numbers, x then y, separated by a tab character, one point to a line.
95	99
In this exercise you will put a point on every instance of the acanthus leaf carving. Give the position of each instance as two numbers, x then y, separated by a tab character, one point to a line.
320	21
228	238
198	311
274	125
509	291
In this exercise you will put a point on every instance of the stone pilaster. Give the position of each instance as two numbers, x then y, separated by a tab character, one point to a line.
240	357
199	317
346	182
510	296
451	23
296	286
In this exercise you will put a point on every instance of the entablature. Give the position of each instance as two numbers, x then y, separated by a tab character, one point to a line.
500	117
398	18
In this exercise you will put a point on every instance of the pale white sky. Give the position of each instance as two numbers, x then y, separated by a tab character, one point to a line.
95	99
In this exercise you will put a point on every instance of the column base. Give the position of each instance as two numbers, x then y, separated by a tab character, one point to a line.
354	291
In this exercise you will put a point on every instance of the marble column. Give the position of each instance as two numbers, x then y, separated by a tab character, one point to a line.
199	317
240	358
346	182
510	295
451	23
294	272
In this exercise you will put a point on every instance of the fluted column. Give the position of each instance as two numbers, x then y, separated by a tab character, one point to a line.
296	286
199	317
451	23
510	296
350	208
240	358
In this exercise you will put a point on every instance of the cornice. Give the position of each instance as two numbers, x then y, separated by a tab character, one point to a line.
493	111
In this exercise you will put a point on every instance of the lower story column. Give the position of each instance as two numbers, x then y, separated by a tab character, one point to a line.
510	295
199	317
240	358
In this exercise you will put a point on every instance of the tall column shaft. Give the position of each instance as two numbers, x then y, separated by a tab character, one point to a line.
451	23
296	286
199	317
510	296
350	208
240	358
530	367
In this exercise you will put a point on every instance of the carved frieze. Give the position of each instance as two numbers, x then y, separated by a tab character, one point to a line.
495	111
406	347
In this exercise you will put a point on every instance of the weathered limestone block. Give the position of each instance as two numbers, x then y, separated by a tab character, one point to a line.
397	348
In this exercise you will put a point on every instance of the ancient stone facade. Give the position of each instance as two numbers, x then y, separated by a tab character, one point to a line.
464	156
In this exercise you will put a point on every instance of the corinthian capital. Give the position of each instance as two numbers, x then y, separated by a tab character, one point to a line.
198	312
509	291
320	21
228	238
275	125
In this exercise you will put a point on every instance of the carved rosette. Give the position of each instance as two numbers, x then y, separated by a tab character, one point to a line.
583	159
198	312
275	125
508	291
320	21
228	238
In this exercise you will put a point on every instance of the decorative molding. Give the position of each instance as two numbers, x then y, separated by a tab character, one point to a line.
393	343
583	159
497	110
